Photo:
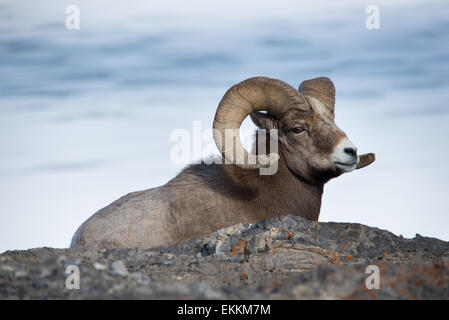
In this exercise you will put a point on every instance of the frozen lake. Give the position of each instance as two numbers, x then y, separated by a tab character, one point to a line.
86	115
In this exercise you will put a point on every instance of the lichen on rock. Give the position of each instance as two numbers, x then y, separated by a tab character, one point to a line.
280	258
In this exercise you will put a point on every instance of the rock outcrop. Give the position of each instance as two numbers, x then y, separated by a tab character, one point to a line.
282	258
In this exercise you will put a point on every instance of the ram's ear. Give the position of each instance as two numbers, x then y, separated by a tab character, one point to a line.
264	120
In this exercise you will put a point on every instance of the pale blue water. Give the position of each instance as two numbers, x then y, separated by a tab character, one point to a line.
86	115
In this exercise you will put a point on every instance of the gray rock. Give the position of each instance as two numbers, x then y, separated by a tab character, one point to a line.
281	258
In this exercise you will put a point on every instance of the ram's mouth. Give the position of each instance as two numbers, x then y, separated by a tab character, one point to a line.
344	167
346	164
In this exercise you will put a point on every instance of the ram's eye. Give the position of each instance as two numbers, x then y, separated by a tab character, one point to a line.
298	129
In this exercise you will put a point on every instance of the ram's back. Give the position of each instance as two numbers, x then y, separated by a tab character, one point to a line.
137	219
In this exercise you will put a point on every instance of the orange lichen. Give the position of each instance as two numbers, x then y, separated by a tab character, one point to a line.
239	247
243	277
336	258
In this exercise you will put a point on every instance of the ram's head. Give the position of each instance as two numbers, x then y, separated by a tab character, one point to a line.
313	147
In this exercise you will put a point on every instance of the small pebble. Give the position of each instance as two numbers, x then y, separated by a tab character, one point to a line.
7	268
62	260
120	268
99	266
20	274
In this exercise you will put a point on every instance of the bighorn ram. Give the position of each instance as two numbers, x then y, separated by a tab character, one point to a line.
204	198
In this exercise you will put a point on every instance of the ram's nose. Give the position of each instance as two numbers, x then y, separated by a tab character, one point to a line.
352	151
345	156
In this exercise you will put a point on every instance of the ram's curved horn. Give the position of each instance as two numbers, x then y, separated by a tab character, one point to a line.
254	94
365	160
